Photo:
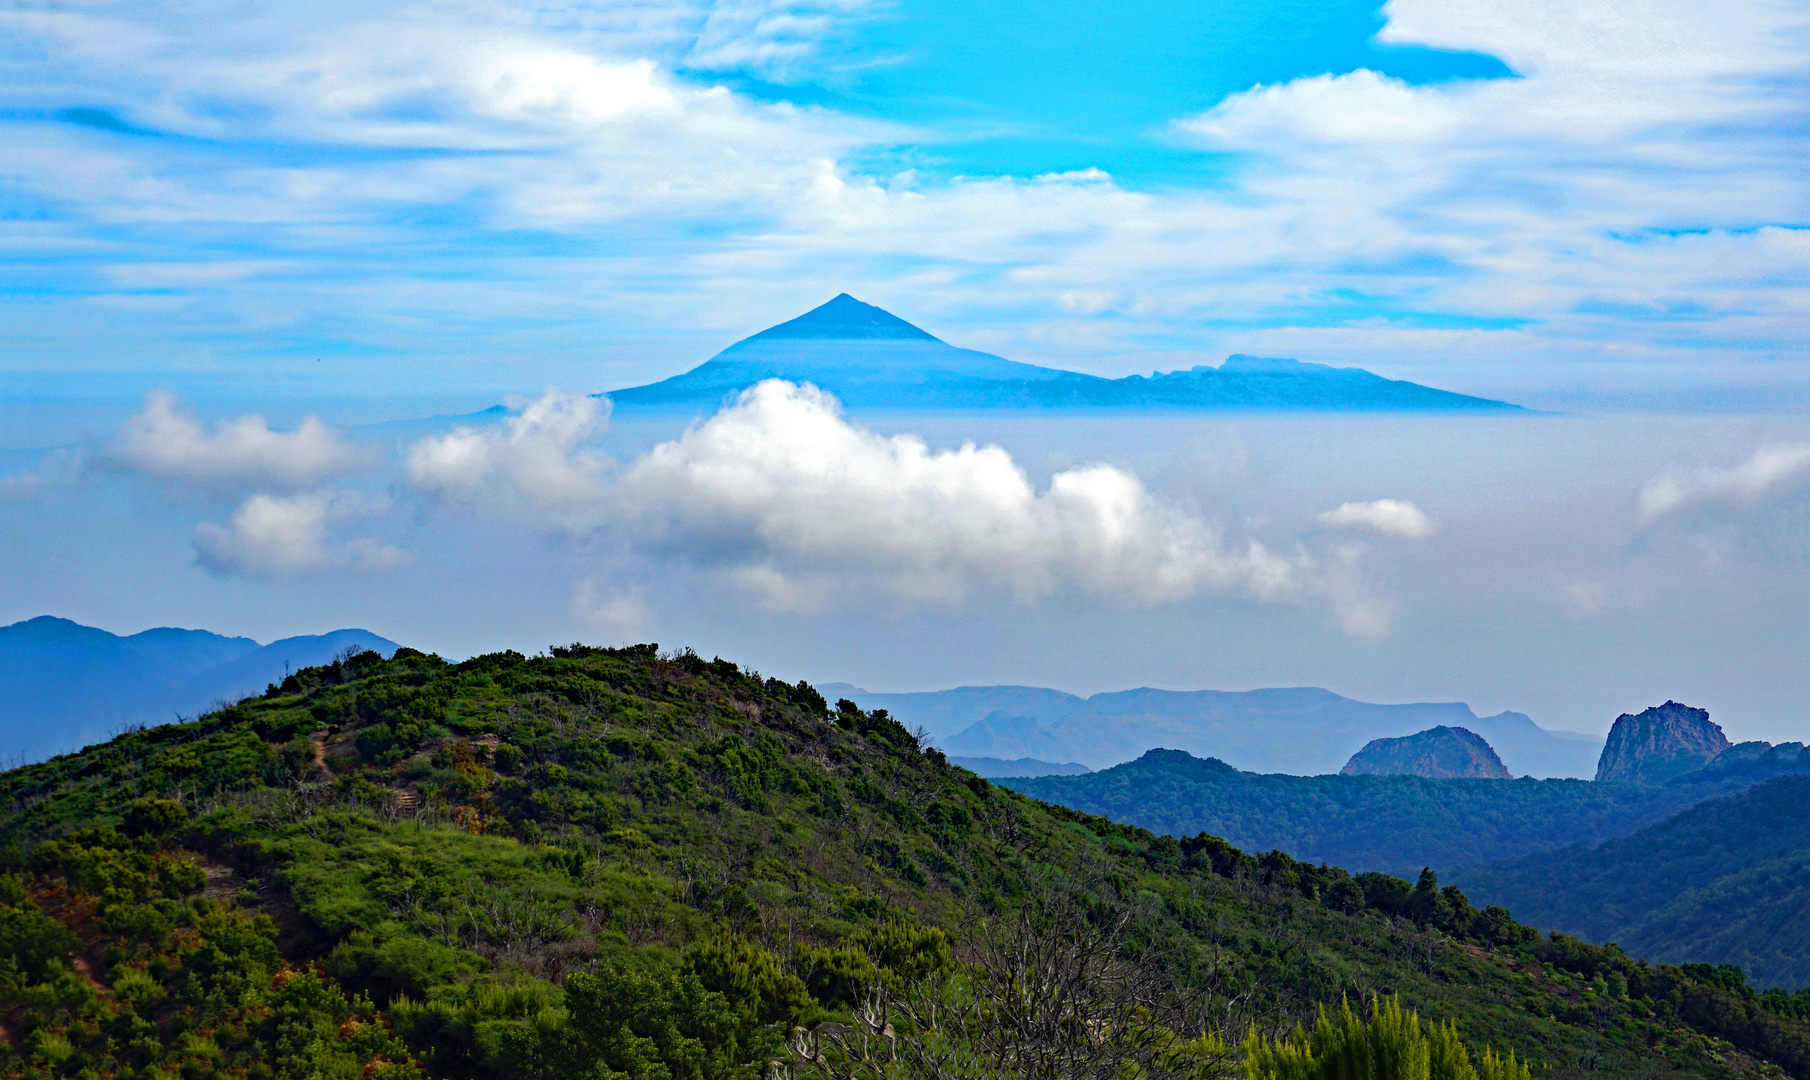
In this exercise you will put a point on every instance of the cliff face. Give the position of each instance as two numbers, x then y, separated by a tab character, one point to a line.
1441	753
1660	743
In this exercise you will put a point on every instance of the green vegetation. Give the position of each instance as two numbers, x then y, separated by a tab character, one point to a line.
1723	883
614	863
1390	1043
1391	823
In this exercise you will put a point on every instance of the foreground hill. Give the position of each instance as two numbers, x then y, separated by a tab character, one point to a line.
1301	730
870	358
63	685
1392	823
613	863
1727	881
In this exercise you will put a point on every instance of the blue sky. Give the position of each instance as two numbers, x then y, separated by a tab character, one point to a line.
1568	204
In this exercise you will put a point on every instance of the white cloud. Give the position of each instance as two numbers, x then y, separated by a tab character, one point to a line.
531	461
1392	517
611	608
166	444
55	468
1677	490
273	535
1624	204
794	503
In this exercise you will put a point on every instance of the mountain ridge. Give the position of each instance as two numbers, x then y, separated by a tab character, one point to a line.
870	358
64	685
1298	730
1395	824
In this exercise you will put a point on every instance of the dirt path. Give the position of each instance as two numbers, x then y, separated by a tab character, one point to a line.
318	741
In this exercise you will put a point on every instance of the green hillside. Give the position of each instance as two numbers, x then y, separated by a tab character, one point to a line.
1390	823
1726	882
612	863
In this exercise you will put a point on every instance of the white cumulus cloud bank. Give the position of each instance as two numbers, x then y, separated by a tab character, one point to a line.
1391	517
781	496
1679	490
279	536
165	443
532	460
795	502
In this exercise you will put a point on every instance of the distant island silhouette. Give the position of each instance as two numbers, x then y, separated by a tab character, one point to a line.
871	358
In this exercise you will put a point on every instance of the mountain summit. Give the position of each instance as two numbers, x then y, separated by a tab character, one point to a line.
1441	753
844	319
871	358
1662	742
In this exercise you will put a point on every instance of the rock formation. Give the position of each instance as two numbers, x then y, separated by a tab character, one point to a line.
1441	753
1660	743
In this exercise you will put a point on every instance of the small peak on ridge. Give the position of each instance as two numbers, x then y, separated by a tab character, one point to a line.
845	319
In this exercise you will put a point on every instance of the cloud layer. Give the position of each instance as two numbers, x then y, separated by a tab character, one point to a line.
792	500
1629	206
532	460
1677	491
1391	517
166	444
280	536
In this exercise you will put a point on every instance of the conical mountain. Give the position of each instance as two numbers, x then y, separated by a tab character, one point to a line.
871	358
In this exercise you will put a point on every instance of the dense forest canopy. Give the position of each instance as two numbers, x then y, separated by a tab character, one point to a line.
1395	824
621	863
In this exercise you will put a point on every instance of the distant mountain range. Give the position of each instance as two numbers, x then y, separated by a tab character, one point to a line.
1300	730
64	685
870	358
1395	824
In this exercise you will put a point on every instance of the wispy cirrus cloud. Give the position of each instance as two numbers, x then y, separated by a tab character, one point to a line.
1631	198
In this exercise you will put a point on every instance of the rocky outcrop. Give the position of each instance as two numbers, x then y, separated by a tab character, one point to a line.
1659	744
1441	753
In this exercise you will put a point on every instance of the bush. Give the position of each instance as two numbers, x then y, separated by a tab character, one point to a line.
1391	1045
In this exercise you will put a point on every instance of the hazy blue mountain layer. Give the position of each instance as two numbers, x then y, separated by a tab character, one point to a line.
992	767
1726	881
64	685
1300	730
1396	824
870	358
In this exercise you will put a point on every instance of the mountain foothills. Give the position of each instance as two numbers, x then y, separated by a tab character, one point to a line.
1301	730
1441	753
63	684
1369	822
620	863
870	358
1725	882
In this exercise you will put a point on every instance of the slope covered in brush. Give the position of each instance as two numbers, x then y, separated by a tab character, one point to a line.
616	863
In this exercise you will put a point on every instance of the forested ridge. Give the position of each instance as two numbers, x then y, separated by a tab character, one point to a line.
1727	881
617	863
1392	823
